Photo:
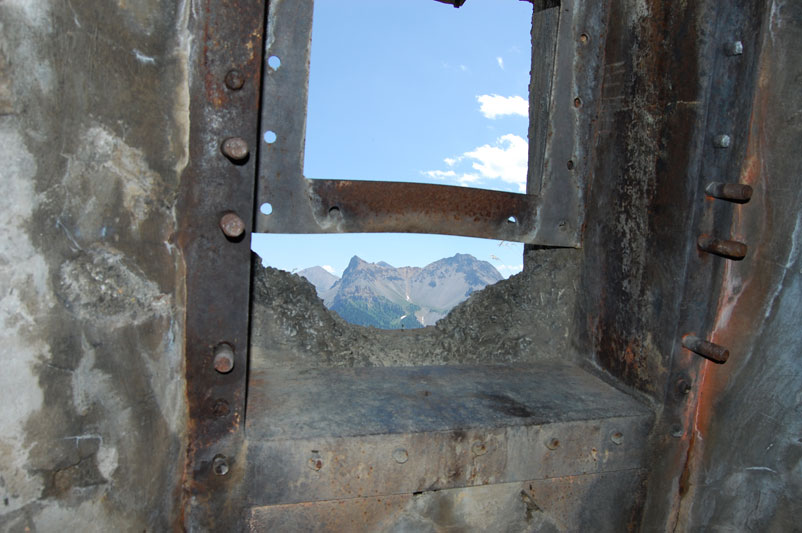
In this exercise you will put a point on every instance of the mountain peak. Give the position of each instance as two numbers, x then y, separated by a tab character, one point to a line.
378	294
321	278
355	262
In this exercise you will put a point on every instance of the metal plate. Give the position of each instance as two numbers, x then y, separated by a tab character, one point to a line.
299	205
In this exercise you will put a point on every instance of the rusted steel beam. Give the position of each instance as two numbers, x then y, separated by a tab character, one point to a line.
374	206
216	213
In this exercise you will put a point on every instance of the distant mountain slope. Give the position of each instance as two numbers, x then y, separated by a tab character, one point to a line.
380	295
321	278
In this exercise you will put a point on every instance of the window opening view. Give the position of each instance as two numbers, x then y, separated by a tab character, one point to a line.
416	92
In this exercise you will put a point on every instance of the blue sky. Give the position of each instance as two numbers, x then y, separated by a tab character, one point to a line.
413	91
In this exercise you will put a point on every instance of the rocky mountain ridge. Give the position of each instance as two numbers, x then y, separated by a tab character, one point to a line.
380	295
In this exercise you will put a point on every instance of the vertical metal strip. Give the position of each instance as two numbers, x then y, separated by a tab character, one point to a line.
283	126
544	44
216	212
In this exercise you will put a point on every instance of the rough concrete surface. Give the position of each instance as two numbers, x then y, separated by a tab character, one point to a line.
93	140
503	323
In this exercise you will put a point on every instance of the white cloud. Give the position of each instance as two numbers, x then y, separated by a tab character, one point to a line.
494	105
509	270
506	160
500	61
440	174
329	269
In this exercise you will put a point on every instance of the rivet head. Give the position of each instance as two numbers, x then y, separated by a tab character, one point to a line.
479	448
722	141
735	48
683	387
617	438
235	148
235	79
224	359
400	455
221	408
220	465
553	444
232	225
315	464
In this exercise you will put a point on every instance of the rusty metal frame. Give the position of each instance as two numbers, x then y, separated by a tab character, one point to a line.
215	214
551	213
232	168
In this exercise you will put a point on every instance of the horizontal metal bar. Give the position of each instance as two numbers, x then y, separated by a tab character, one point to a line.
343	206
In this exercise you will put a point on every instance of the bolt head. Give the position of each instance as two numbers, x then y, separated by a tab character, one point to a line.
553	444
683	387
224	359
315	464
400	455
235	148
232	225
221	408
220	465
235	79
479	448
722	141
617	438
735	48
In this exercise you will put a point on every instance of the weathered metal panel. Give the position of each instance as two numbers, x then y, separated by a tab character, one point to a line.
596	502
744	471
327	434
574	104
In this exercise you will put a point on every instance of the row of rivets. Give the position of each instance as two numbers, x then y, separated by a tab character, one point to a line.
233	227
729	249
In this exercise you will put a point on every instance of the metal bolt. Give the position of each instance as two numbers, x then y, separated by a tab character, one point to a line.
224	359
734	192
235	80
683	387
617	438
315	464
714	352
232	225
479	448
221	408
722	247
553	444
734	48
722	141
400	455
235	148
220	465
677	431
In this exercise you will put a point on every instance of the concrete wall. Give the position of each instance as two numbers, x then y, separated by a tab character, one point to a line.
93	138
